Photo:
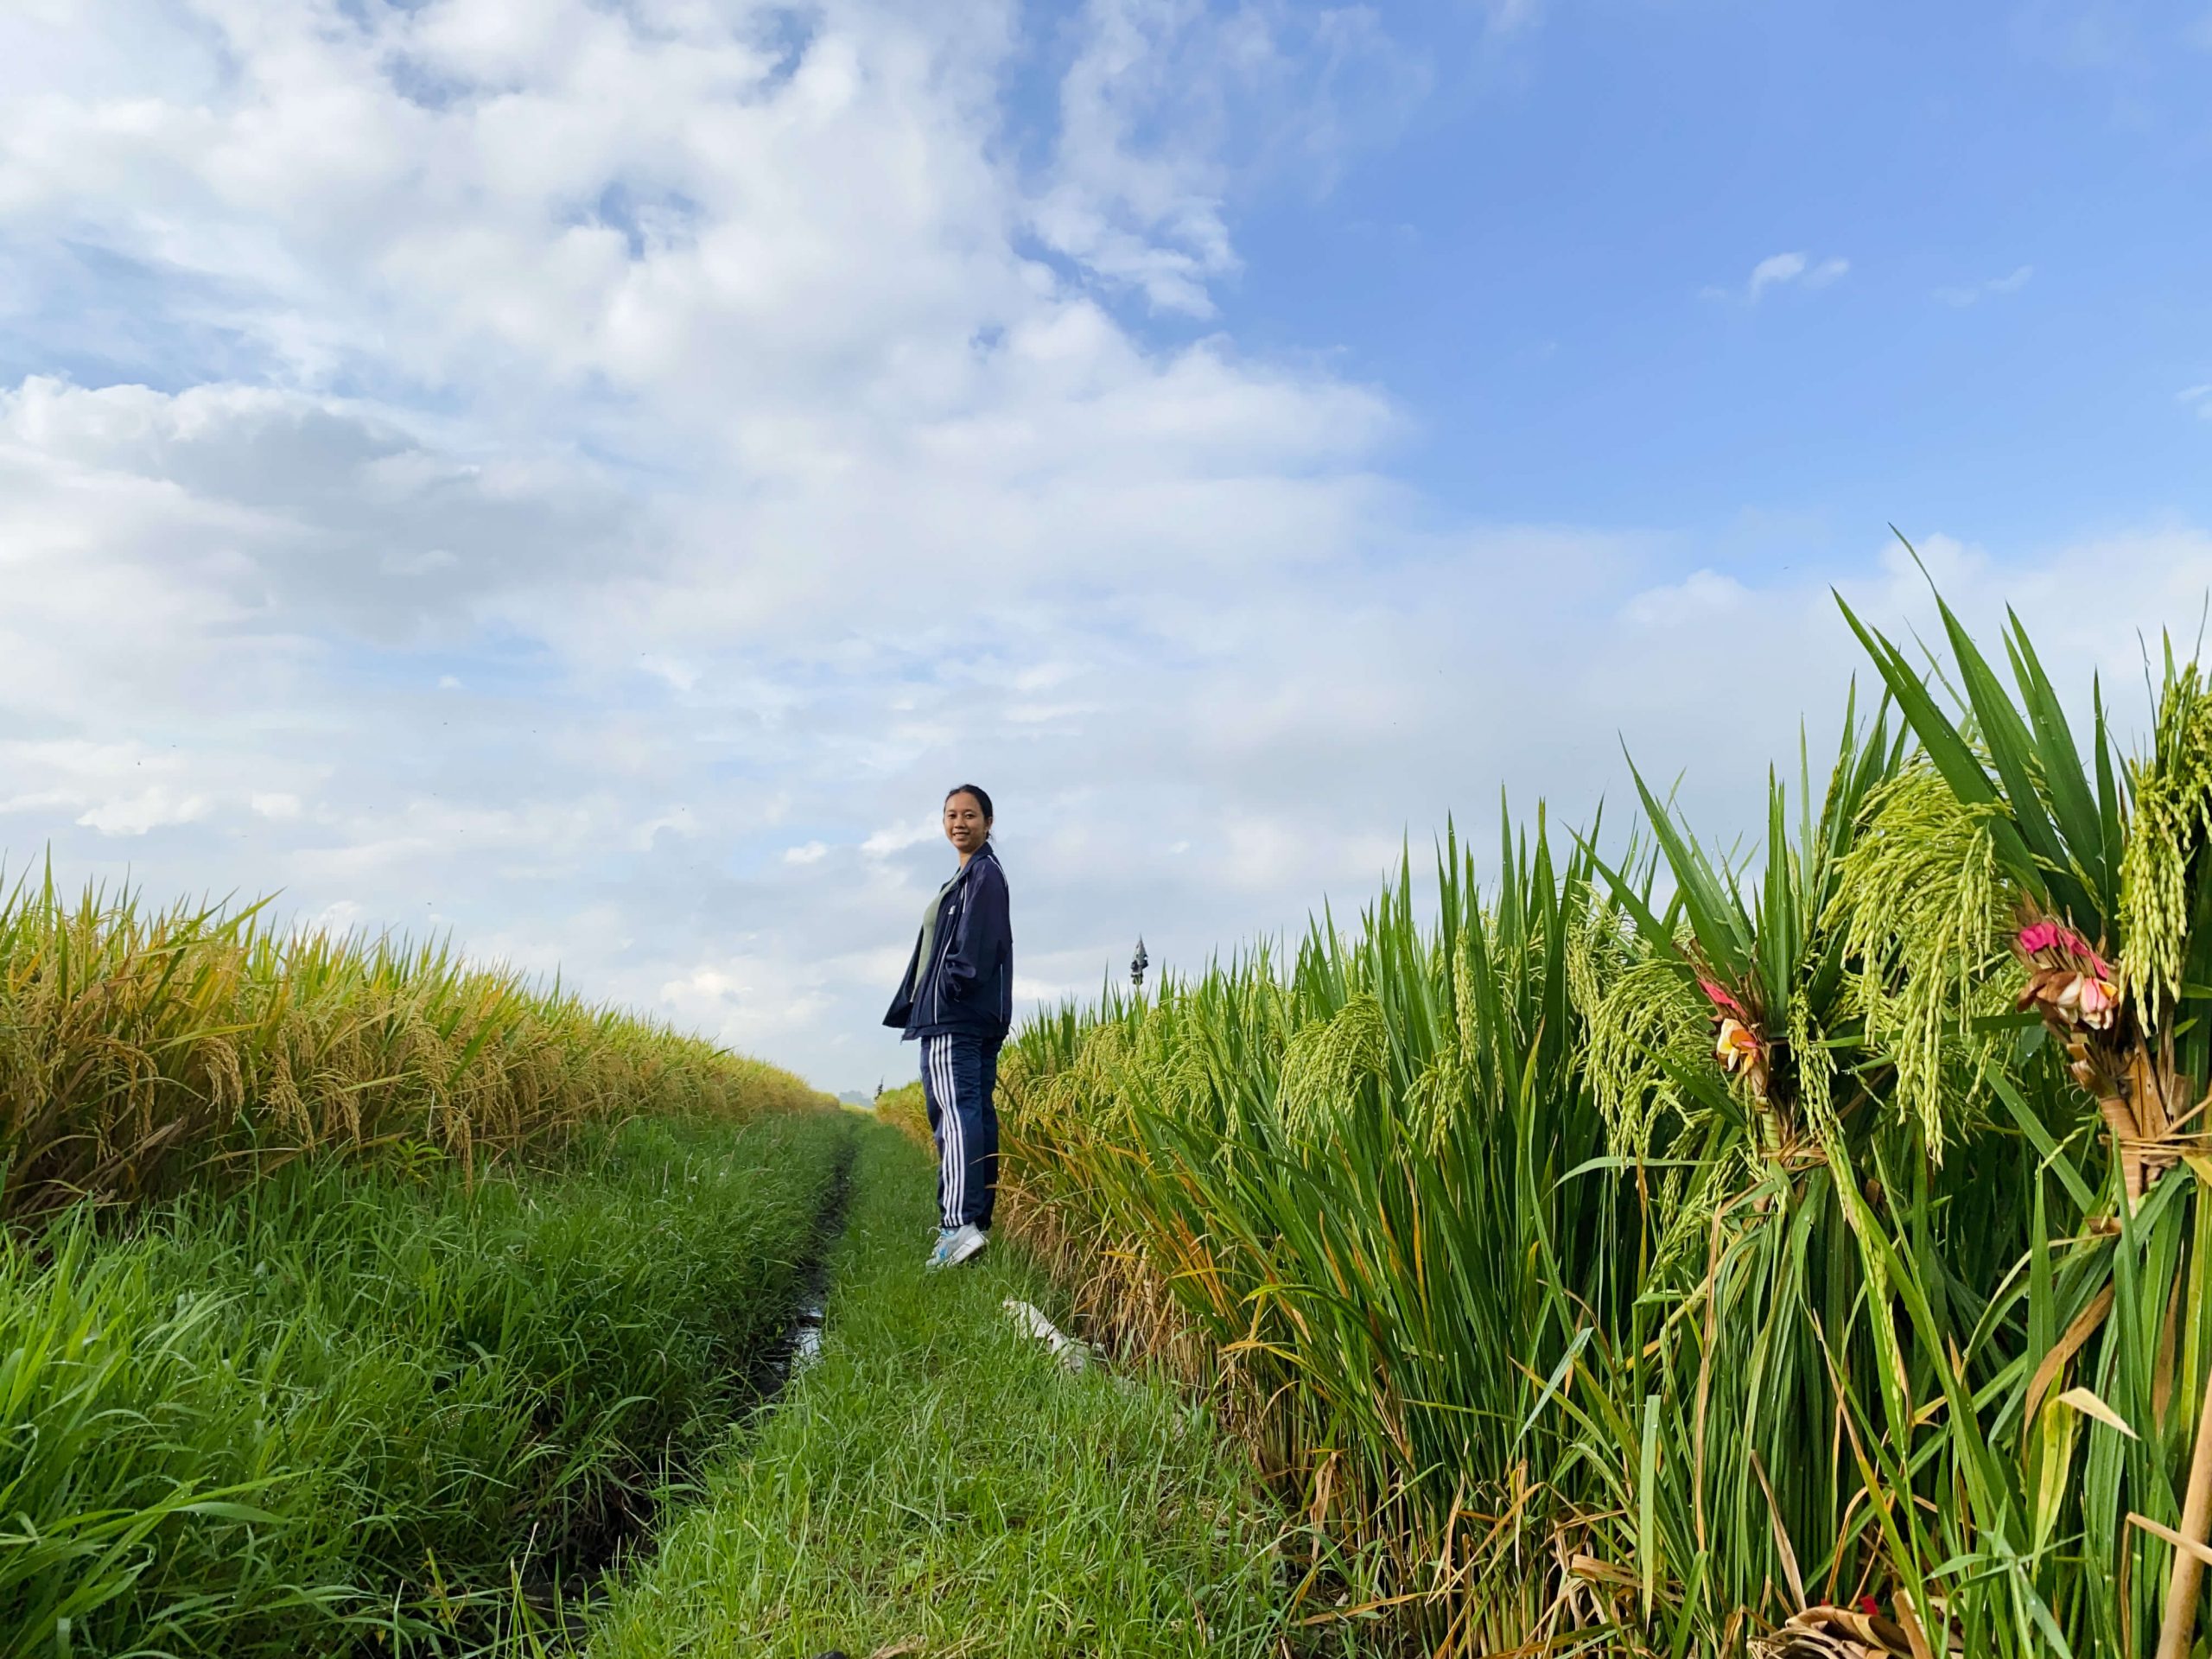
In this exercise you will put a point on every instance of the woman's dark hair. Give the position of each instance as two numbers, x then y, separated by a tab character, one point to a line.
982	799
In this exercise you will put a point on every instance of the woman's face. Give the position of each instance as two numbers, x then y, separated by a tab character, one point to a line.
966	826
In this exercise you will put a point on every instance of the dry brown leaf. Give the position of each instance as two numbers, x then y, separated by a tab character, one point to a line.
2084	1401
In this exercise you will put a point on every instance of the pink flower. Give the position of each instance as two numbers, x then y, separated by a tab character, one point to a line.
2040	936
2097	998
2076	946
1721	999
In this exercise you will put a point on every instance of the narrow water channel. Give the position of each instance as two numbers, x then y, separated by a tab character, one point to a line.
806	1339
801	1344
558	1609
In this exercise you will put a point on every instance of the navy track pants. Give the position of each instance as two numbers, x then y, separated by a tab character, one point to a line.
959	1072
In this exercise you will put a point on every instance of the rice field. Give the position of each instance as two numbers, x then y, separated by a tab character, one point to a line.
145	1050
1652	1251
351	1294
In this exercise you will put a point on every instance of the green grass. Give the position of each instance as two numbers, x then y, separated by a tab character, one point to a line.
347	1404
937	1479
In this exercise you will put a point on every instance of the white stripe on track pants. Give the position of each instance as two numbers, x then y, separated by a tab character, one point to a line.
960	1073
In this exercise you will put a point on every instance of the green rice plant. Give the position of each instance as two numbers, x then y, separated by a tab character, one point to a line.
1654	1251
143	1049
1766	968
343	1405
1386	1352
2086	861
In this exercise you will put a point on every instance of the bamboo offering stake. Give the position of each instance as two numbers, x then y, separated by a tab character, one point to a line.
2188	1564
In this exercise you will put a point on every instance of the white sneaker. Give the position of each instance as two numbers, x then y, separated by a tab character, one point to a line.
956	1245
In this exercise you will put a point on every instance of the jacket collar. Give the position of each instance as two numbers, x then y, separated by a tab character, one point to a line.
960	876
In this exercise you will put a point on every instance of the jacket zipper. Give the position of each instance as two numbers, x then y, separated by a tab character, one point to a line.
936	973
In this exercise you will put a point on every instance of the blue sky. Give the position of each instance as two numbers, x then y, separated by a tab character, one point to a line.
587	478
1522	266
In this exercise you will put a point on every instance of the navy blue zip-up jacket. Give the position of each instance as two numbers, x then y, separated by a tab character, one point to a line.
968	984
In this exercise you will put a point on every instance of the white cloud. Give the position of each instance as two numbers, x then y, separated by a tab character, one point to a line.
1776	268
129	788
1972	294
340	916
895	838
1701	598
2198	399
1164	103
147	808
1506	17
747	1002
1783	271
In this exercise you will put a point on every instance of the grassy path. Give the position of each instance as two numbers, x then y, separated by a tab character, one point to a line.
937	1486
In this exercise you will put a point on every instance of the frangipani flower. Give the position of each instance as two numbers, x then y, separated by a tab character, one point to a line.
2068	981
1736	1045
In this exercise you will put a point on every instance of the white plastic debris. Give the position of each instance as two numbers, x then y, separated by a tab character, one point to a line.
1074	1356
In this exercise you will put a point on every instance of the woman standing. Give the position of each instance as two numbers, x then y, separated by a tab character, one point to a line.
958	998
